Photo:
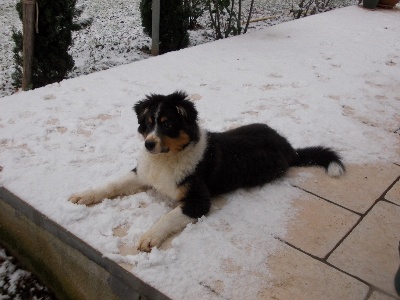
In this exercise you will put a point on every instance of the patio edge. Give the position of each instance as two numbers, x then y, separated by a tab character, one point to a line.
68	266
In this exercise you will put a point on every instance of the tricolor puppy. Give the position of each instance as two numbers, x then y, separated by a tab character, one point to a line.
191	165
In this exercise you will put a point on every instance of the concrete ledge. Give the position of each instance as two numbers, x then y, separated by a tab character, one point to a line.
68	266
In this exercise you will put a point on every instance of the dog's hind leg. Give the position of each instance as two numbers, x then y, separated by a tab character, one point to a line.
126	185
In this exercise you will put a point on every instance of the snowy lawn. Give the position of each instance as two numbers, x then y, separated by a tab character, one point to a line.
116	36
318	80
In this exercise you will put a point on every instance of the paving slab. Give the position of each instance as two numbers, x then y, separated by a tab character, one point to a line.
393	195
296	275
357	190
318	225
379	296
370	251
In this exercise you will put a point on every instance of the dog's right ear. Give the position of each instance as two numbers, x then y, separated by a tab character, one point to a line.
141	109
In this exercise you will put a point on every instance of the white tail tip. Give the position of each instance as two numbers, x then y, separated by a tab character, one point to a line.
335	169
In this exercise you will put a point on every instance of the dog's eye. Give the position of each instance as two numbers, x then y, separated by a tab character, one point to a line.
167	124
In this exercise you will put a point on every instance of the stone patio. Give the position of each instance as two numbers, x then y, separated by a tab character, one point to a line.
352	231
343	242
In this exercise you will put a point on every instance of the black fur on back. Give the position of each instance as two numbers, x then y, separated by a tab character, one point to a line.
253	155
245	157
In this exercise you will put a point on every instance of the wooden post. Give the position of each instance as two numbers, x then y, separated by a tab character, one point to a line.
28	21
155	27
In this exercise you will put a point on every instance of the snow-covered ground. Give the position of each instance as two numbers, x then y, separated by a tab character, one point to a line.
18	284
317	80
116	36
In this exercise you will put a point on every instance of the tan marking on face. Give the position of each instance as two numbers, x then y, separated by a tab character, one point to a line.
163	119
178	143
142	115
150	120
152	137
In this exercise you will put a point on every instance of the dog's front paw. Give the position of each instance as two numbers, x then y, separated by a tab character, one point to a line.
149	240
85	198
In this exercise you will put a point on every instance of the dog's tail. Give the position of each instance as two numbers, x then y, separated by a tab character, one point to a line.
320	156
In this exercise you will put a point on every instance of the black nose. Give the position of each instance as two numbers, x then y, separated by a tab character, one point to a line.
149	145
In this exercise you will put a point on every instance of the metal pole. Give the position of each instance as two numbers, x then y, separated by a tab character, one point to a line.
155	27
28	20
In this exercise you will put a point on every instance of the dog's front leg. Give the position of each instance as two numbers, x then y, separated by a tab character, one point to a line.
196	203
172	222
126	185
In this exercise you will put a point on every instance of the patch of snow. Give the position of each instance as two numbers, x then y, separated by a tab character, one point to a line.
16	283
115	36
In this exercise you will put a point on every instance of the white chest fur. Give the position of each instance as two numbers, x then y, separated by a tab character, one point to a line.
165	171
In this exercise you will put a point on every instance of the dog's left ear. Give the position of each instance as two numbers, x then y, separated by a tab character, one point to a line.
185	107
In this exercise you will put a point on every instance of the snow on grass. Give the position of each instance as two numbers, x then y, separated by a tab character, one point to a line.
18	284
116	36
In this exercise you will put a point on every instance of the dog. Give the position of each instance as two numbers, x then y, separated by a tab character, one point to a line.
192	165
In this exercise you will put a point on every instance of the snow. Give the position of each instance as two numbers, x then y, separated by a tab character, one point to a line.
116	37
18	284
319	80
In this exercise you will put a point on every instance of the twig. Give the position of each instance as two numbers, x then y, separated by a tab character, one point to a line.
262	19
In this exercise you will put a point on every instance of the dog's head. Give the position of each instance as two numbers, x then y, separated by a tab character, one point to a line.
167	123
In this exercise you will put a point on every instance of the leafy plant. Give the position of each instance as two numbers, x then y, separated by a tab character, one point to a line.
304	8
51	60
174	24
228	17
194	9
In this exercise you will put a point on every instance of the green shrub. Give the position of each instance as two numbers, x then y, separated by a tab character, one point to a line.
194	9
51	60
227	17
173	24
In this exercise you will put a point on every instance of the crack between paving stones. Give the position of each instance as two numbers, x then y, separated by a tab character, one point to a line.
380	198
324	260
329	201
362	215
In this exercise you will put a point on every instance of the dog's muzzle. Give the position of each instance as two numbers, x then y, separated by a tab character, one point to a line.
155	146
150	145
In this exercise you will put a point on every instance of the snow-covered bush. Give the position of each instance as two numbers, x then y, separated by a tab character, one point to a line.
173	24
304	8
229	17
194	9
51	60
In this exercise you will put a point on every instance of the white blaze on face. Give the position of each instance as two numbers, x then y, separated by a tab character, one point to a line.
153	141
